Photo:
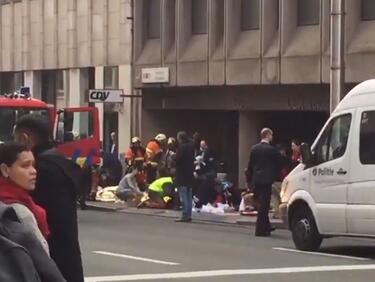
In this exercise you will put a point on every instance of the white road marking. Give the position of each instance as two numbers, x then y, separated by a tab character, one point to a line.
136	258
320	254
233	272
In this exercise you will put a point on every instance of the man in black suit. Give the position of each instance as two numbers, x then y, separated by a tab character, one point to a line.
262	172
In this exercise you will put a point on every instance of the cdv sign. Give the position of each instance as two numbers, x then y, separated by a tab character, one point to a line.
105	96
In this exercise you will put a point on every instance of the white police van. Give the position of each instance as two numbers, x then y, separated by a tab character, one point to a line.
332	193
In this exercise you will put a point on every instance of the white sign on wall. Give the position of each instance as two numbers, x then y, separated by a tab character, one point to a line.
155	75
105	96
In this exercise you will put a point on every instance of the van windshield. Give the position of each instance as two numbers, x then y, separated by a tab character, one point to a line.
9	116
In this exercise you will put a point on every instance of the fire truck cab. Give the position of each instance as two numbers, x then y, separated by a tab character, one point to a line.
76	130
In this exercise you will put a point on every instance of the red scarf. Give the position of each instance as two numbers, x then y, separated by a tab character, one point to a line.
11	193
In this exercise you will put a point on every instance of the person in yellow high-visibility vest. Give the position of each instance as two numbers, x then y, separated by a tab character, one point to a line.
159	193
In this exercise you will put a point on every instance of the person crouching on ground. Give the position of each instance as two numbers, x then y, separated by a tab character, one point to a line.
128	189
17	180
161	191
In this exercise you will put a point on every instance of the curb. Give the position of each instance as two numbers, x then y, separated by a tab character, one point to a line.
278	225
238	223
98	208
194	221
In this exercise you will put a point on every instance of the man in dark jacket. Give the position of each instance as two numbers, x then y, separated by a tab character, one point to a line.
57	186
185	174
262	172
205	169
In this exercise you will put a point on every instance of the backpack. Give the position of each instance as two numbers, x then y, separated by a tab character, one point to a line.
16	263
22	257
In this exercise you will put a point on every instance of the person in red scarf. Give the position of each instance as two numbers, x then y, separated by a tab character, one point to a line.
17	180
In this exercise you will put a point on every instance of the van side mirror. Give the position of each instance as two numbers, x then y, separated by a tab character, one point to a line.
306	154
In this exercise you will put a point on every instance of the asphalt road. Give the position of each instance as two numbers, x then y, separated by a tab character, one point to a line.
123	247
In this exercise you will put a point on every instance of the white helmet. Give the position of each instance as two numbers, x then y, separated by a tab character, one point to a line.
160	137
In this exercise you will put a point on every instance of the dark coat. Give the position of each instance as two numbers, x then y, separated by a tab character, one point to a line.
185	165
57	188
25	256
264	165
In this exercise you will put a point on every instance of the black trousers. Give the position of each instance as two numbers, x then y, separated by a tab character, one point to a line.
262	195
205	192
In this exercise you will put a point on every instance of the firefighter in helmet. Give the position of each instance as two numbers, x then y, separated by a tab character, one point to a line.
154	151
136	153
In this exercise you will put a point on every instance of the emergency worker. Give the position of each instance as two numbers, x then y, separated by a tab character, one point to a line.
154	151
136	153
169	162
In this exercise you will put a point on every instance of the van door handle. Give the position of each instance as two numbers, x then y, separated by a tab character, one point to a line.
341	172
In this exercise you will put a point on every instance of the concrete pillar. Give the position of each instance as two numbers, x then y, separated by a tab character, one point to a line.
33	79
99	84
248	130
125	113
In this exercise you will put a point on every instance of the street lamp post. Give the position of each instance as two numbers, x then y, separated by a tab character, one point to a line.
337	72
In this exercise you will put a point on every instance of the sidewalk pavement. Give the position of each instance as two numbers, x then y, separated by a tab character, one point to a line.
233	218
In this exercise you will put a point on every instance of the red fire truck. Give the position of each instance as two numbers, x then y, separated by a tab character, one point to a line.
76	130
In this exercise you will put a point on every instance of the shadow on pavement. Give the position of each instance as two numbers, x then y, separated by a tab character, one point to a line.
355	251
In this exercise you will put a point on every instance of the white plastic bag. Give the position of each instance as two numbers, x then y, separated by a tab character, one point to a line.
242	206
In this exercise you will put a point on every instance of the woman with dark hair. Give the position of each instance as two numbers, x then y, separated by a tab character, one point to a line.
296	152
17	181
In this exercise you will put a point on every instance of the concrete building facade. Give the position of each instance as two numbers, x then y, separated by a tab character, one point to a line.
63	48
238	65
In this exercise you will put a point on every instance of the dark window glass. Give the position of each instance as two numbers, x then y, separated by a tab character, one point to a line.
60	80
367	138
18	80
199	16
308	12
73	126
153	18
110	77
11	115
368	10
277	13
249	14
333	141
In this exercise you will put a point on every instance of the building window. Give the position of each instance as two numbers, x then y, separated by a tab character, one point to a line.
18	80
277	14
199	16
153	18
308	12
368	10
111	77
367	138
60	93
250	14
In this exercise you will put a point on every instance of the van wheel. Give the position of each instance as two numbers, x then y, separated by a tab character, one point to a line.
305	233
